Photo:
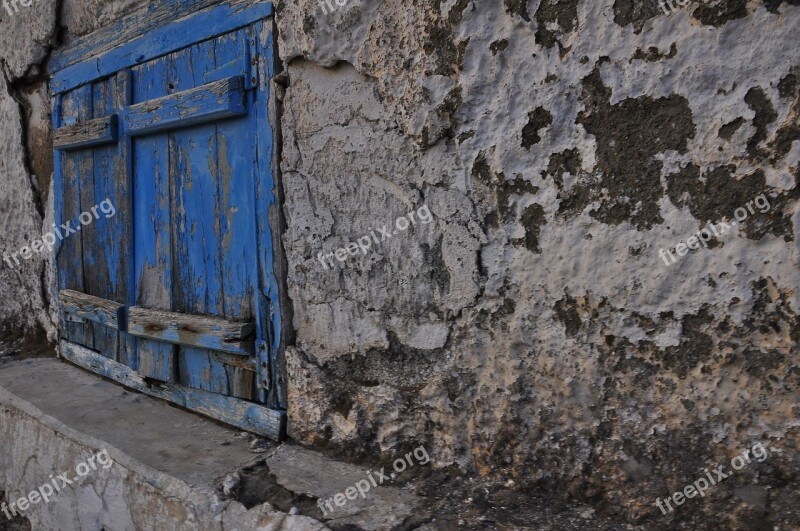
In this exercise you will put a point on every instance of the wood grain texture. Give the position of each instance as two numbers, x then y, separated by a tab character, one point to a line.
235	153
91	133
272	304
103	311
153	262
76	170
97	234
192	330
120	248
195	211
236	412
206	103
133	40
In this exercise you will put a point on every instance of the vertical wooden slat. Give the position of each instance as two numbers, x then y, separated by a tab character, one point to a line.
122	247
77	172
236	147
152	234
97	234
195	226
269	304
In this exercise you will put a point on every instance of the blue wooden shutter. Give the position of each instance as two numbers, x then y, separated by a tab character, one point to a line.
178	287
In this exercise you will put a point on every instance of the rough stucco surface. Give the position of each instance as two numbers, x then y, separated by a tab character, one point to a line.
532	331
22	298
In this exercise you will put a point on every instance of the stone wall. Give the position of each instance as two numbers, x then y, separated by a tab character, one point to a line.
533	331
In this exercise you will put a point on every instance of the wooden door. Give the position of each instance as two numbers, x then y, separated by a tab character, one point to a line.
176	291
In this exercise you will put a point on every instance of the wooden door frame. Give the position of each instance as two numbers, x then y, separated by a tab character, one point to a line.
160	29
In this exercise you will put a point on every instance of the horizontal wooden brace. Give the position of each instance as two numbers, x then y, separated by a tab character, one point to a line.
234	411
200	331
87	134
142	37
206	103
80	306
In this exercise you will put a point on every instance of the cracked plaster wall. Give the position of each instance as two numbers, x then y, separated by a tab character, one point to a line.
532	332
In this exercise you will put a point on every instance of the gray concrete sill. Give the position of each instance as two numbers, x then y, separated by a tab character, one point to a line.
167	462
173	469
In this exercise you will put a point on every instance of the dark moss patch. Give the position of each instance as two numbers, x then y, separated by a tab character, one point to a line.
18	522
538	118
532	219
727	131
714	197
567	161
719	12
653	54
635	12
768	314
774	5
787	87
481	170
695	347
563	13
629	135
518	8
507	189
440	42
784	138
456	13
567	312
498	46
718	194
758	102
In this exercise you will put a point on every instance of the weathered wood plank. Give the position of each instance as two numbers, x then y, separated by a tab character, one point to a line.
76	165
235	150
272	305
236	412
87	134
195	210
120	249
152	235
151	43
203	104
103	311
97	234
192	330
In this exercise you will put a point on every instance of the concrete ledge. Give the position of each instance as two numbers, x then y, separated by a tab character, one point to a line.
166	462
